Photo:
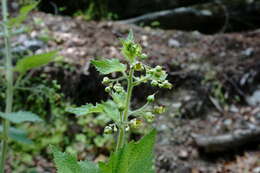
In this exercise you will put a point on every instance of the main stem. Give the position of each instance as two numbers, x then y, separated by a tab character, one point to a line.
9	81
124	116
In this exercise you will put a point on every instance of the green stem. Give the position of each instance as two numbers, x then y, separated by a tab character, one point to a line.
124	116
9	80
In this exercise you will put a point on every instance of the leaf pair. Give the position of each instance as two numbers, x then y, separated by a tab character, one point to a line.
132	158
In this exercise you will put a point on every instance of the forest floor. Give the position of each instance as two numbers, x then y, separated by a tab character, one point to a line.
216	85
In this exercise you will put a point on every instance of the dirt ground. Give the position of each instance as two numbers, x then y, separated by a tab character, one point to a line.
214	77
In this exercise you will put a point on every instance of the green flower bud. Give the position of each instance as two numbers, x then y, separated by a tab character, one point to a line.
108	130
106	80
118	88
135	123
167	84
115	128
138	66
127	128
150	98
158	68
154	83
160	85
108	89
149	117
144	56
159	109
121	107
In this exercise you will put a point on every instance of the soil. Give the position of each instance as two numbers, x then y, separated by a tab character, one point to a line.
213	77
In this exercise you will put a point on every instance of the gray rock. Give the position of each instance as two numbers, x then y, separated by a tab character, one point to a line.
254	99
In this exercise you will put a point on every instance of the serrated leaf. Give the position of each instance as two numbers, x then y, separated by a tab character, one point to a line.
132	158
24	11
67	163
108	66
89	167
110	108
20	117
35	61
18	135
86	109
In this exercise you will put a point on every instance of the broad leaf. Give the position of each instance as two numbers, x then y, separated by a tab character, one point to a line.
67	163
86	109
20	117
110	108
132	158
34	61
18	135
24	11
108	66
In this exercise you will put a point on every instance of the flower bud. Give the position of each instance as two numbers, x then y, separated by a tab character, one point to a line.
159	109
167	84
127	128
154	83
105	80
115	128
108	89
150	98
118	88
108	130
138	66
158	68
149	117
135	123
121	107
144	56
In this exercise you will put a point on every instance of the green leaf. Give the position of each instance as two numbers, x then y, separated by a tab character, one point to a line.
132	158
108	66
20	117
67	163
86	109
110	108
89	167
24	11
130	36
18	135
35	61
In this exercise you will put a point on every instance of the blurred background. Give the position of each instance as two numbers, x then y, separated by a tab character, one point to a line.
210	48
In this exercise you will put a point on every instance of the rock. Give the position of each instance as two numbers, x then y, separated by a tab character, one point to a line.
173	43
183	154
254	99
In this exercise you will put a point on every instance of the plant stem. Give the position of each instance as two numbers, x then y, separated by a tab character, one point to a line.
9	80
121	133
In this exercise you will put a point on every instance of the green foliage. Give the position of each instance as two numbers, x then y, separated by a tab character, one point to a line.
67	163
35	61
132	158
127	158
24	11
20	117
108	66
18	135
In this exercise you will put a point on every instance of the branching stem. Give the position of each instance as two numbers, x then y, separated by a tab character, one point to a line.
121	133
